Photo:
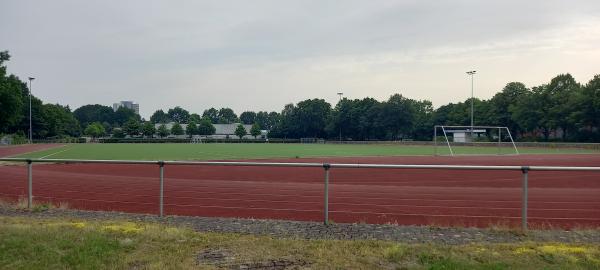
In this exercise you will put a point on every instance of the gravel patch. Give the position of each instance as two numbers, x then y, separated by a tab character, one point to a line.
224	259
338	231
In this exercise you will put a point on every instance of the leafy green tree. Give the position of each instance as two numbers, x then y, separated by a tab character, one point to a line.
159	117
561	93
397	117
240	131
539	107
122	115
356	119
267	120
163	131
40	127
194	117
148	129
586	118
132	127
94	113
179	115
12	96
107	127
176	129
590	104
248	118
528	112
59	121
273	119
191	129
95	130
206	127
285	127
118	133
423	111
501	102
255	130
227	116
262	119
307	119
212	114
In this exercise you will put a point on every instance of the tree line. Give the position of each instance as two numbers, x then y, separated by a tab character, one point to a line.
562	110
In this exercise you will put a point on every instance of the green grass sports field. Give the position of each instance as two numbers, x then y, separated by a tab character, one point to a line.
228	151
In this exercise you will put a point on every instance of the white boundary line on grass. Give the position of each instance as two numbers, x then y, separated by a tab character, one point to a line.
55	153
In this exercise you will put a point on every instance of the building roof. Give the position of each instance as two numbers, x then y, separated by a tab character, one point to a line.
229	129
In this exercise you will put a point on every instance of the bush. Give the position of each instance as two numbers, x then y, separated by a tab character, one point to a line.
187	140
13	138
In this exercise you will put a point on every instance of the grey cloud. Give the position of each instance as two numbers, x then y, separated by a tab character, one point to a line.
113	50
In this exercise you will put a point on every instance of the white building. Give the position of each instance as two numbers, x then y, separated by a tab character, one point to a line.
127	104
465	135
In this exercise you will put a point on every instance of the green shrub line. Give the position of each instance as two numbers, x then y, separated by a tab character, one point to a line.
188	140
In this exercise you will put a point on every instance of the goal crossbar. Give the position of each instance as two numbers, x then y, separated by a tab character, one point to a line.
472	130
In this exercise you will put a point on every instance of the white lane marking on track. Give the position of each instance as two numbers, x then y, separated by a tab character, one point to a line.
55	153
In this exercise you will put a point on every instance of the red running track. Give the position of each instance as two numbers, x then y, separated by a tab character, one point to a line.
412	197
11	150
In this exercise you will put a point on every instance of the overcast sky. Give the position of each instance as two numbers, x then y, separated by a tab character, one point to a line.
260	55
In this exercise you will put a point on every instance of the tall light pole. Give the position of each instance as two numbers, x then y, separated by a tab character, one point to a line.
472	73
30	125
340	94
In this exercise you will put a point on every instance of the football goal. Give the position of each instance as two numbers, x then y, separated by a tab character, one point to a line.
473	140
312	140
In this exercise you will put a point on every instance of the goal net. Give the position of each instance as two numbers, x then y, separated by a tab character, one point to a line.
473	140
312	140
196	140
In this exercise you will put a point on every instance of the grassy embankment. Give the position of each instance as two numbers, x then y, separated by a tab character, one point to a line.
28	243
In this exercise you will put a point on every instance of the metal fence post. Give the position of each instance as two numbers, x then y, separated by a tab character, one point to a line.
162	184
525	171
29	184
326	191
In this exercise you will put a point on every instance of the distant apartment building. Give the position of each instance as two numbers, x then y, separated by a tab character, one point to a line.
127	104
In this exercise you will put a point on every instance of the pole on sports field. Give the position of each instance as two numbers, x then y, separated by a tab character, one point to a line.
435	140
326	166
447	141
30	125
29	184
525	171
472	72
512	141
499	141
162	184
340	103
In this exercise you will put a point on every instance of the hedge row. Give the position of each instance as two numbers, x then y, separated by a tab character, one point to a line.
176	140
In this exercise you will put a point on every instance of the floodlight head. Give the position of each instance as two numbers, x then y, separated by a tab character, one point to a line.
471	72
31	78
340	93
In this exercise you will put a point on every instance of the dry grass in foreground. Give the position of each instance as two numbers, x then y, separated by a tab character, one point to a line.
28	243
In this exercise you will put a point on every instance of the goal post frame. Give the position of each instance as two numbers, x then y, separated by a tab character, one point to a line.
470	128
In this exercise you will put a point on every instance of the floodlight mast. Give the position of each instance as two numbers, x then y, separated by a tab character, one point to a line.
340	94
472	73
30	125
